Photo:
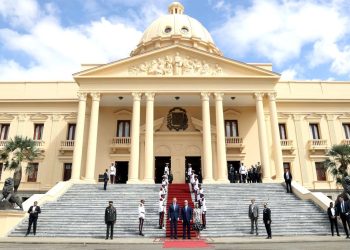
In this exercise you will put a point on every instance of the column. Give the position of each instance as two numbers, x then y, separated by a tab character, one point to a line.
207	149
263	144
276	137
332	128
91	150
220	139
79	137
135	140
149	155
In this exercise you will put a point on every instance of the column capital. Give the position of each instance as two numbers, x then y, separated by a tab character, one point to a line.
272	96
205	96
150	96
259	96
82	96
96	96
331	117
136	96
218	96
298	117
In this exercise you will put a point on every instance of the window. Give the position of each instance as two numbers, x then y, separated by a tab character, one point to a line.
314	131
283	131
1	165
32	176
4	131
320	171
67	171
123	129
38	132
71	131
231	128
286	165
346	127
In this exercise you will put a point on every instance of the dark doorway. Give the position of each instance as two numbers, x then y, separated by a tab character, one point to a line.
159	167
236	165
122	169
67	171
196	166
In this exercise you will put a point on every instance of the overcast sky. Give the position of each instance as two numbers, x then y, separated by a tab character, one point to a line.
48	40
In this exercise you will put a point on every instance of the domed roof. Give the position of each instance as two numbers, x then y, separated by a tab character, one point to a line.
176	28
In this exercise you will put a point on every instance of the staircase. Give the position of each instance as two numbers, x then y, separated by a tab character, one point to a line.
80	212
182	193
227	213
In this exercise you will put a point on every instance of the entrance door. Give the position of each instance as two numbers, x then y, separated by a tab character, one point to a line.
159	167
122	169
67	171
196	166
236	165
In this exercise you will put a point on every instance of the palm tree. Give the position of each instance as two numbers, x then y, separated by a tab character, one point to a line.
16	151
338	161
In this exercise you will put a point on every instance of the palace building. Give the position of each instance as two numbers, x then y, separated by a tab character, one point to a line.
176	99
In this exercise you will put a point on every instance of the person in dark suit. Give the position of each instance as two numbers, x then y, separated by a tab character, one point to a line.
288	180
34	212
174	214
105	179
332	215
253	214
267	220
186	217
343	210
110	219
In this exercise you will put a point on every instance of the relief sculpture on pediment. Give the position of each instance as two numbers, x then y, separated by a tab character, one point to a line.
176	65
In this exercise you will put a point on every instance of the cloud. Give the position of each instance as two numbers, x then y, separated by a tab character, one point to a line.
279	31
55	51
289	74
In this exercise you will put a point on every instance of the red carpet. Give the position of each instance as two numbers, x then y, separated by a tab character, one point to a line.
185	244
181	192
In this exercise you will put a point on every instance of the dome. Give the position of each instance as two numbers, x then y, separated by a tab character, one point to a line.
176	28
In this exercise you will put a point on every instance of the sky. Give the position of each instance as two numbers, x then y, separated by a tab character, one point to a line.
49	40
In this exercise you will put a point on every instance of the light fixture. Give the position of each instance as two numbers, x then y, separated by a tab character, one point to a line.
177	98
232	98
120	97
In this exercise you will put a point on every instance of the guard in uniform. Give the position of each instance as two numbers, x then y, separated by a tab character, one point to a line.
161	210
195	187
189	172
110	219
203	210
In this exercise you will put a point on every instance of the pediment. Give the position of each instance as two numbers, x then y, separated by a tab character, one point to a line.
176	61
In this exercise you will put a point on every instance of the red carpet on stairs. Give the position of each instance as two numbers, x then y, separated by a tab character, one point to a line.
181	192
185	244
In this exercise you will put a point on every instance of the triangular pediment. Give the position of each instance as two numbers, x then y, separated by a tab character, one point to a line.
176	61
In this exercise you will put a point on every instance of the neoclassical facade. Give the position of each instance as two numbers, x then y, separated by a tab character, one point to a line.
176	99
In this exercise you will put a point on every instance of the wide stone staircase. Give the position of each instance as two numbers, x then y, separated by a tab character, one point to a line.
227	213
80	212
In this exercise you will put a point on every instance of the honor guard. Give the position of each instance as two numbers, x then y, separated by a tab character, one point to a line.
166	169
195	187
189	172
203	210
192	180
161	210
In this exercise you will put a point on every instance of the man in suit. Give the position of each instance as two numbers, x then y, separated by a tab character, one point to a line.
267	220
105	179
34	212
186	217
332	215
253	214
343	210
110	219
174	213
288	179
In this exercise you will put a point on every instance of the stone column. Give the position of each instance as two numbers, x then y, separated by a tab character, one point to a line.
207	149
92	143
79	137
149	155
135	140
276	137
263	143
332	128
220	139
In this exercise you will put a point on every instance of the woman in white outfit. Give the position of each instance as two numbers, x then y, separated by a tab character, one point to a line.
141	216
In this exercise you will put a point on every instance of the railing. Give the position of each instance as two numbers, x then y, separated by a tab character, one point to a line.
234	140
319	144
39	143
121	141
67	144
345	142
3	143
286	143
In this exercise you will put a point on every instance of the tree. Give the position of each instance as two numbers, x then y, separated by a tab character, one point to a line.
337	162
17	151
